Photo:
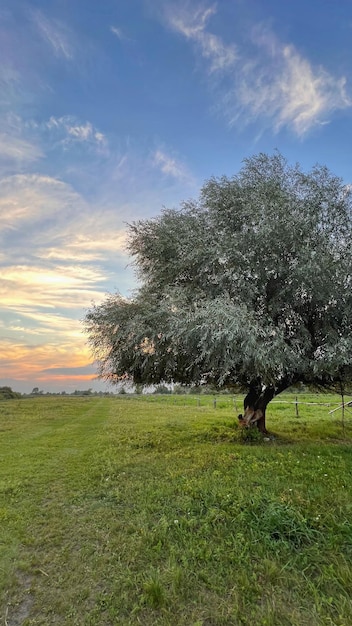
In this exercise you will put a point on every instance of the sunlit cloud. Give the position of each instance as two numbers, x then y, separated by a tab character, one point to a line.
66	191
57	249
87	247
84	370
55	33
47	224
27	198
53	284
40	362
40	320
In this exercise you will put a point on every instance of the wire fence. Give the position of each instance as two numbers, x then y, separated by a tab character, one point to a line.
331	402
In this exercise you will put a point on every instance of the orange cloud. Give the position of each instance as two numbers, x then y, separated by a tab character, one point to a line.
25	363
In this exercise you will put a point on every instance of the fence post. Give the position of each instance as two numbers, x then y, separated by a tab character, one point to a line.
214	403
297	414
343	411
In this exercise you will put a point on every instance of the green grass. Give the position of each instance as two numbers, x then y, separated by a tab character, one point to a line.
156	511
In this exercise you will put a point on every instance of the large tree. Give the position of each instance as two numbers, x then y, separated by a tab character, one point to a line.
250	285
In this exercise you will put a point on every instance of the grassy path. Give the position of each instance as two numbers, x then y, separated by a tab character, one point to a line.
122	512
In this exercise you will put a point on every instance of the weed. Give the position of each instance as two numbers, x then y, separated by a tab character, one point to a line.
250	435
280	521
154	594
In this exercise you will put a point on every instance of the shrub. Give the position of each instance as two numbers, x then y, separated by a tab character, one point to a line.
6	393
162	389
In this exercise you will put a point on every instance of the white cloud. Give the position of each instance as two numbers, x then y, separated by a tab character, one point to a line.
283	87
56	34
26	199
28	289
76	132
170	166
24	142
54	245
17	146
59	251
273	81
94	244
192	25
118	33
17	149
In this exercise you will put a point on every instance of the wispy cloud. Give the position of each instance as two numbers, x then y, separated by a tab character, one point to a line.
170	166
56	244
40	309
58	247
64	287
18	150
273	81
17	146
88	247
25	141
56	34
9	83
192	24
118	32
40	325
282	86
76	132
29	199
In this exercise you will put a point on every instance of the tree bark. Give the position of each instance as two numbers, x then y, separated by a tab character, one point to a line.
256	401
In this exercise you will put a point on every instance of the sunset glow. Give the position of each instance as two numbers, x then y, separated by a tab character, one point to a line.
107	116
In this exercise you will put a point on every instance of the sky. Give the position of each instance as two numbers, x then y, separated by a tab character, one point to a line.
111	110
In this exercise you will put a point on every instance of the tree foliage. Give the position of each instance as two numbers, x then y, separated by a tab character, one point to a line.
250	284
6	393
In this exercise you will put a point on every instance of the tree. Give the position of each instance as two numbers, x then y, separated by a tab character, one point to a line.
6	393
249	285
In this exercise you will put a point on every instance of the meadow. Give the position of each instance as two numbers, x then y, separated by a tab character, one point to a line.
160	511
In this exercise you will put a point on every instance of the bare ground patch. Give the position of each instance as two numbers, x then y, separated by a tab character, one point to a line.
17	611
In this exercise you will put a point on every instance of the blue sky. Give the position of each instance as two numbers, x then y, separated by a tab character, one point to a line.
111	110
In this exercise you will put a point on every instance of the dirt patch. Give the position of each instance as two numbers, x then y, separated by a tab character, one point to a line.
18	611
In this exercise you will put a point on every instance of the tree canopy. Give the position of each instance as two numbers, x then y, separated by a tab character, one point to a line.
250	284
6	393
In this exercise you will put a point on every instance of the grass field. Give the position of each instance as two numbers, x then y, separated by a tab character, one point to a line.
156	511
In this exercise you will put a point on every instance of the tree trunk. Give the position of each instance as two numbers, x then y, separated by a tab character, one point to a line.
256	401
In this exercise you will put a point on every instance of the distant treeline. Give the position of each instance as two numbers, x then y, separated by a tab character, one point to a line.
6	393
